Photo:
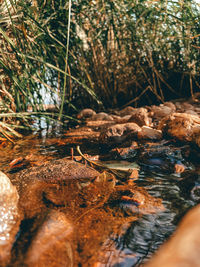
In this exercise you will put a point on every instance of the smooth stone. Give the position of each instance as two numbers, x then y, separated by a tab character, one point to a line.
86	113
52	244
149	133
9	218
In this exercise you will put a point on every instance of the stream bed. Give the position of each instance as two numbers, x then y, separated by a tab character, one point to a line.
141	237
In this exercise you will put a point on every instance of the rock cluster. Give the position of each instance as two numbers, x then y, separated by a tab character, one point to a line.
178	119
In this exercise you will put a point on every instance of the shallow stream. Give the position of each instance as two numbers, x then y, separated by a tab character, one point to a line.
143	236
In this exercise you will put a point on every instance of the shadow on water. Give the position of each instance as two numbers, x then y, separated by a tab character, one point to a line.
143	236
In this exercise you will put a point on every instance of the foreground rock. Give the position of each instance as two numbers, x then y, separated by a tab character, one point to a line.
61	183
183	249
9	218
52	244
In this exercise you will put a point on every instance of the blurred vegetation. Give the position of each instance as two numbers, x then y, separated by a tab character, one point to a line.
100	54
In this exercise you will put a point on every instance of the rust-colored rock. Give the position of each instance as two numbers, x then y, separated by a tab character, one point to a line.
183	248
53	244
180	126
58	182
9	218
136	200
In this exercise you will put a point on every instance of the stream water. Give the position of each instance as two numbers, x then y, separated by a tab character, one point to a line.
143	236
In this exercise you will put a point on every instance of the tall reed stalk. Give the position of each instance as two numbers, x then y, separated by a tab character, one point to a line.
100	54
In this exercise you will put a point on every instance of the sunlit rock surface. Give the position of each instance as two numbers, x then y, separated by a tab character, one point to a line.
9	218
149	133
180	126
102	116
52	245
183	248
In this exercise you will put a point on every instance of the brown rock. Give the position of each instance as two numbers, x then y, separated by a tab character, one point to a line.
183	248
52	245
180	125
60	182
149	133
170	105
102	116
126	111
158	112
140	117
119	133
9	218
191	111
86	113
123	119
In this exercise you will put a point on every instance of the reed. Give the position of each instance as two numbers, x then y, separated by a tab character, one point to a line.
97	53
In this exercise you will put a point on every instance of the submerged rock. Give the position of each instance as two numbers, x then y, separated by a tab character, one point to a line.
52	244
125	153
61	183
162	158
9	218
135	200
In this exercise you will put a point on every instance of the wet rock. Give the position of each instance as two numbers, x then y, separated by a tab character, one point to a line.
190	185
82	133
125	152
59	183
183	248
149	133
161	158
119	133
133	199
86	113
140	117
52	244
180	125
9	218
